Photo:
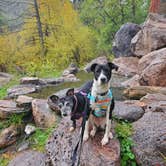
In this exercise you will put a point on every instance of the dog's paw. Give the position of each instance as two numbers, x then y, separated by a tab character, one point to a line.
110	135
71	129
92	133
104	141
85	137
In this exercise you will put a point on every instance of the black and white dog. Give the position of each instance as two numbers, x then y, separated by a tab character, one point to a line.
73	103
101	101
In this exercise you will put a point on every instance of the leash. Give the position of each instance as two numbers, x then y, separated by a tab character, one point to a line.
80	141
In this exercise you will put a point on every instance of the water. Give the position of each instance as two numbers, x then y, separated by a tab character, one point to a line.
84	77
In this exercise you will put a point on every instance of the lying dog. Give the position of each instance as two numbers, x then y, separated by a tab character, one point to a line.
73	104
101	101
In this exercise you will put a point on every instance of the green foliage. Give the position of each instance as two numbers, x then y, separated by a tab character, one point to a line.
106	17
124	131
4	161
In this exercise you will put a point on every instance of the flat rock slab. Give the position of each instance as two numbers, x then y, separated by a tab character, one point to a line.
24	100
61	144
127	111
9	107
28	158
149	134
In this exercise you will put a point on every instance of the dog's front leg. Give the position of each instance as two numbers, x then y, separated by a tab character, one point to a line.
105	139
72	128
86	132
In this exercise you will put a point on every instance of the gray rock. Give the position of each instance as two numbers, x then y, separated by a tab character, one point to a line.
51	81
29	80
131	82
127	111
121	44
24	101
60	147
23	146
28	158
29	129
147	131
4	78
43	115
72	69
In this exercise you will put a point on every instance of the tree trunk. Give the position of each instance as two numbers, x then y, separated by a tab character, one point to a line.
133	8
154	6
39	26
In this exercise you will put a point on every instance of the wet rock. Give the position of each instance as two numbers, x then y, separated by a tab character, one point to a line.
4	78
23	146
29	80
147	131
28	158
24	101
99	60
139	91
123	37
9	135
151	37
134	81
128	66
127	111
60	147
72	69
29	129
42	114
22	90
8	107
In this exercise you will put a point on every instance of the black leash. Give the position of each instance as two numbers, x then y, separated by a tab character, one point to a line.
80	141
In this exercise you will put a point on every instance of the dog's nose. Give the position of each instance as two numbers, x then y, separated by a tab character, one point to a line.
103	80
64	114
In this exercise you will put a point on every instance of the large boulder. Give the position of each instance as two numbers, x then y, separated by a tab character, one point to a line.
151	37
131	82
43	115
61	144
153	69
128	66
127	111
28	158
149	134
121	44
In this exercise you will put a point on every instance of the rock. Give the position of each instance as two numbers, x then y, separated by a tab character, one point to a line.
28	158
9	136
134	81
24	101
72	69
8	107
4	78
29	80
22	90
43	116
70	78
127	111
151	37
123	37
29	129
147	131
160	144
128	66
51	81
99	60
139	91
60	147
154	74
23	146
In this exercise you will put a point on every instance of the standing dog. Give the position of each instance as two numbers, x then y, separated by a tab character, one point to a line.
74	104
101	101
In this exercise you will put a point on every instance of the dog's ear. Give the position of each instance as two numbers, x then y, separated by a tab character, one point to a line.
54	98
93	66
113	66
70	92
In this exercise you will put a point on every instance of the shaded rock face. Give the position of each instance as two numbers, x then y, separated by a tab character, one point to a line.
28	158
42	114
151	37
121	45
9	136
127	111
149	131
128	66
61	144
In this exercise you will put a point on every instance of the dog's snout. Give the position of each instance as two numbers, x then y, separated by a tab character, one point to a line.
103	80
64	114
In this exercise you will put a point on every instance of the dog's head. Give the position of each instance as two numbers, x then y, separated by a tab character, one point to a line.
65	104
103	72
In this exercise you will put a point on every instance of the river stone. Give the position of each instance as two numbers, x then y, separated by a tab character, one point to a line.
128	66
43	115
127	111
29	80
28	158
151	37
147	131
72	69
52	81
22	90
61	144
9	135
123	37
24	101
8	107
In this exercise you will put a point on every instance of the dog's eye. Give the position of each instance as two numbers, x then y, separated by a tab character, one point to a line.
67	104
60	105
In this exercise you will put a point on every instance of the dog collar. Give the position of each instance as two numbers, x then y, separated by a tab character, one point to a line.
102	94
